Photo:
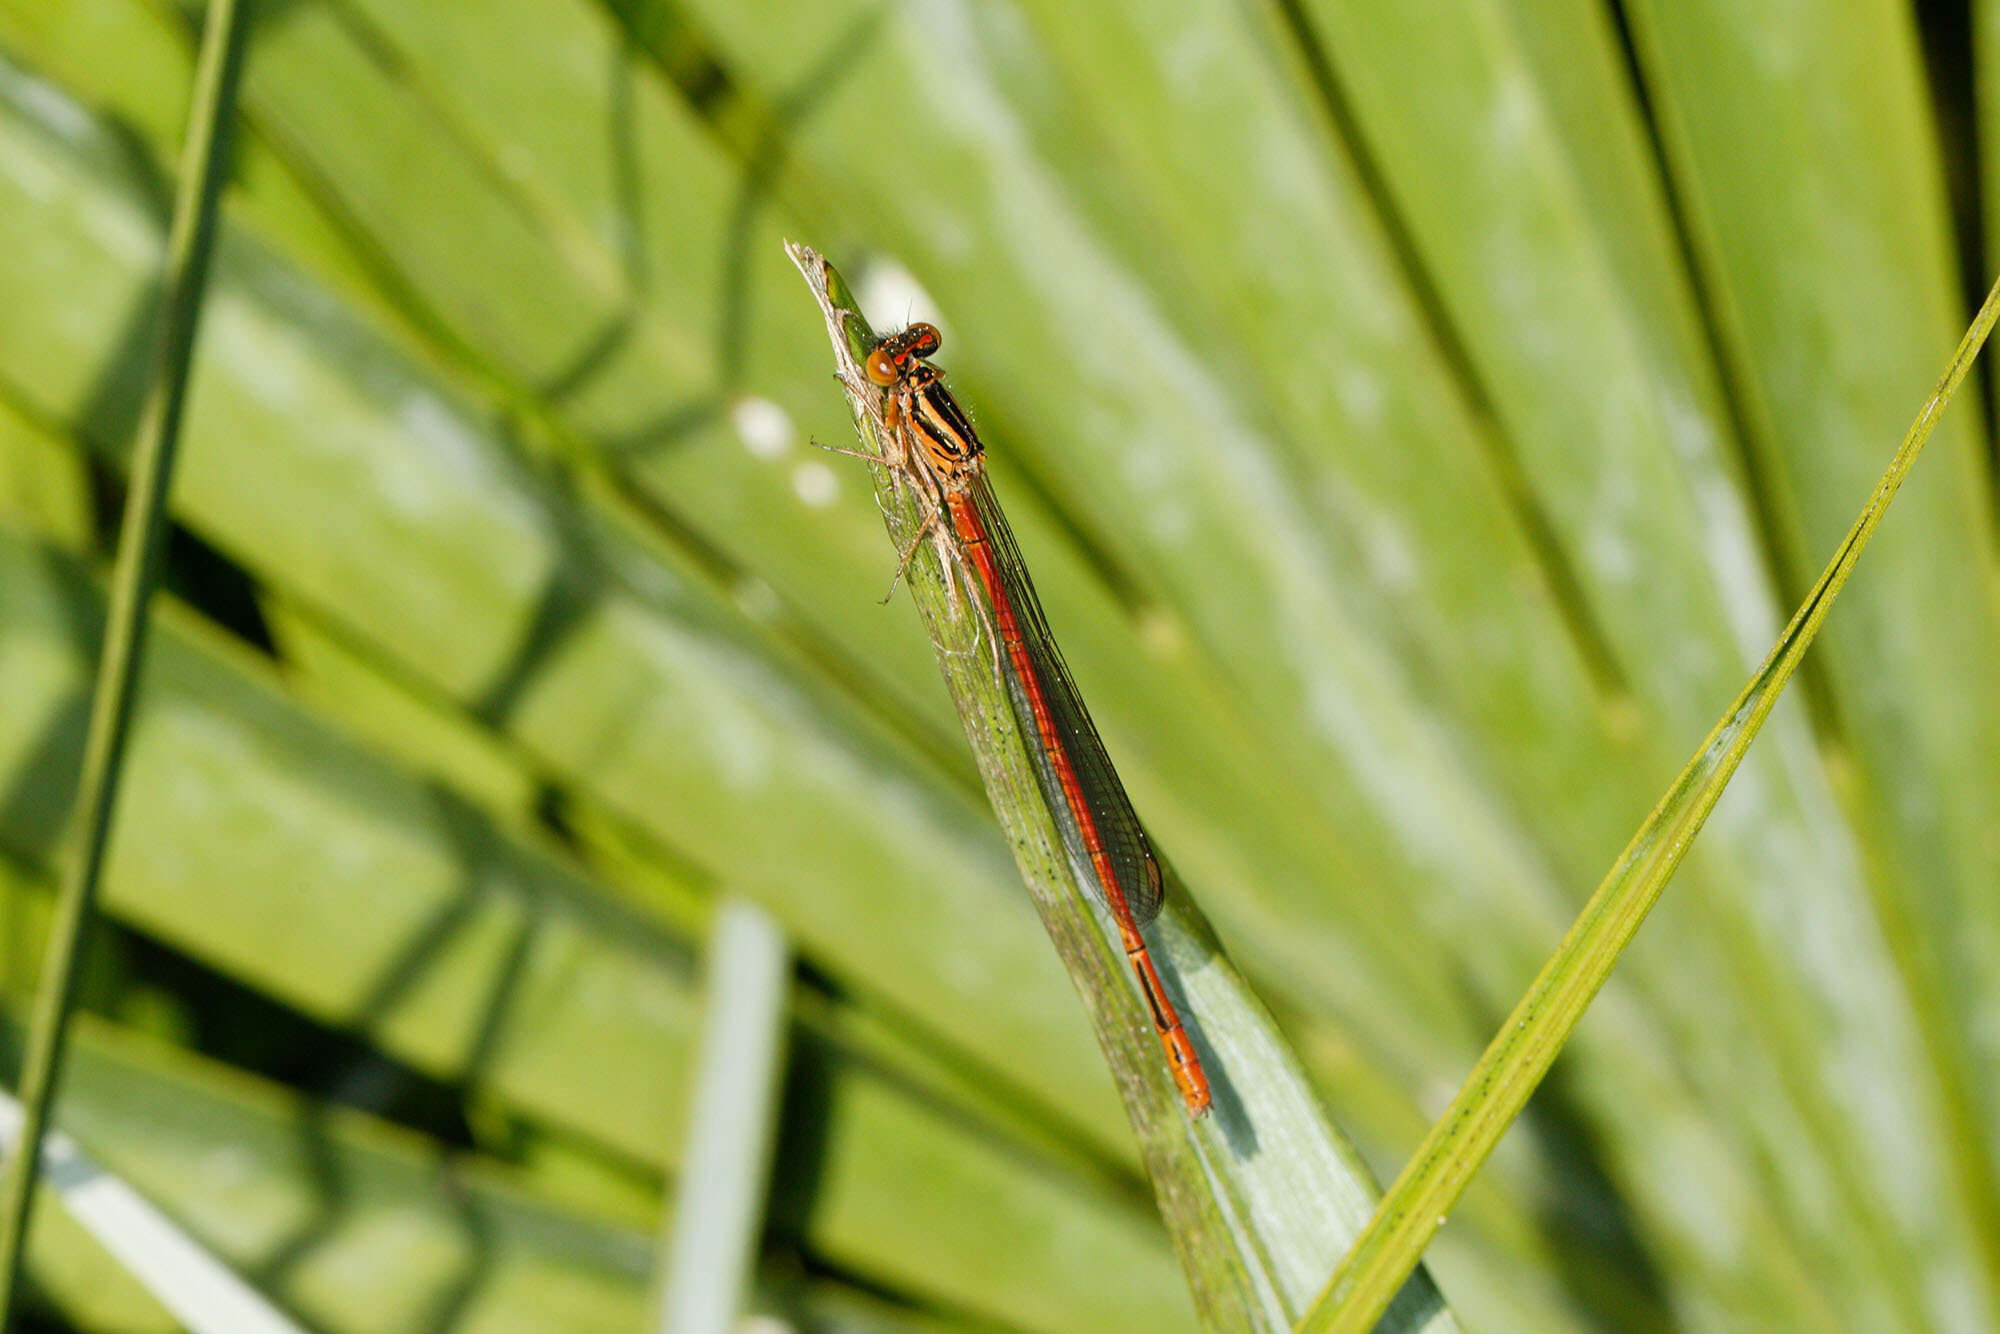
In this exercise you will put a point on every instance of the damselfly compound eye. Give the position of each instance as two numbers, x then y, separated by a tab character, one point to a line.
922	339
881	367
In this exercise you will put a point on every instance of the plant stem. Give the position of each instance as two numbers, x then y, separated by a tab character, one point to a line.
189	247
738	1094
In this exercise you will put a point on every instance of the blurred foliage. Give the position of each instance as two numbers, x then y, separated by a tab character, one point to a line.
1415	417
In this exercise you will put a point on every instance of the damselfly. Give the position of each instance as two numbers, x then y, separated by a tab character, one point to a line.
934	446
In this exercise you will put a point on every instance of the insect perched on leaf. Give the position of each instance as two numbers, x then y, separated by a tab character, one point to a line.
932	447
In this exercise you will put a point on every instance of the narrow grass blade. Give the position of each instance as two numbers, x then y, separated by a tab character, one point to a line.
1252	1192
201	1291
719	1211
188	249
1499	1086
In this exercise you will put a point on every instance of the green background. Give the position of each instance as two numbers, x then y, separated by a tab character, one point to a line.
1419	419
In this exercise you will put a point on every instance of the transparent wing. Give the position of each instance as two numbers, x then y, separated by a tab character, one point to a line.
1072	765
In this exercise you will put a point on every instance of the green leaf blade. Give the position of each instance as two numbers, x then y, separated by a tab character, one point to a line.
1533	1034
1258	1190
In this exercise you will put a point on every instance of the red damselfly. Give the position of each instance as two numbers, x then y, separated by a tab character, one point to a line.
931	443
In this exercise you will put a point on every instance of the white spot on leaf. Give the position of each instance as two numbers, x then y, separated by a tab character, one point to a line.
764	428
815	484
891	296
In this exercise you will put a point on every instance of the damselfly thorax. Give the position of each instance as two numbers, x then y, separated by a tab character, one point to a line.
936	424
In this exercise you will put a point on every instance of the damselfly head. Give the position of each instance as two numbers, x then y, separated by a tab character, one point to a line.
895	355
